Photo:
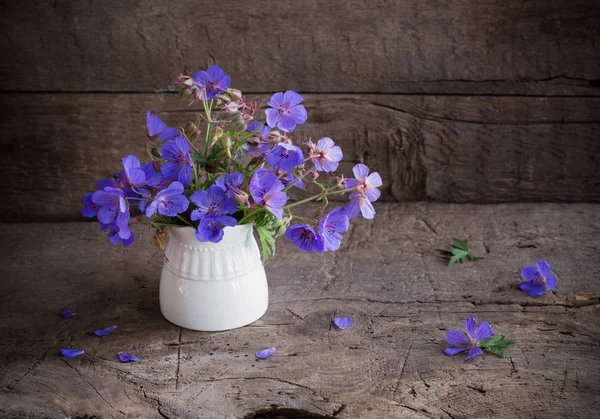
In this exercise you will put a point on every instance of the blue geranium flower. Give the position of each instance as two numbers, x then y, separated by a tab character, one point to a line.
213	80
538	279
286	111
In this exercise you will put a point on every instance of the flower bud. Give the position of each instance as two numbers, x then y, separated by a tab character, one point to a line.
314	175
340	181
281	226
235	94
241	196
319	213
217	133
238	123
160	240
186	94
155	152
231	107
190	129
185	80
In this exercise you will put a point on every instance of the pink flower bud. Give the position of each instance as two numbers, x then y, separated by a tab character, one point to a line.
340	181
241	197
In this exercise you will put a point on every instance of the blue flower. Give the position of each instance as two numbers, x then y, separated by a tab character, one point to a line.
366	192
115	234
89	208
210	228
285	156
325	155
538	279
267	190
179	162
135	175
231	183
286	111
306	238
258	143
212	203
213	80
330	227
468	341
169	202
112	206
156	127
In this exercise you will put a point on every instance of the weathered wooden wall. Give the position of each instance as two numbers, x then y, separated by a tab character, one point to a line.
465	101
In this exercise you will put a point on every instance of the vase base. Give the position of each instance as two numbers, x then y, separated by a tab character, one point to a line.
189	326
214	306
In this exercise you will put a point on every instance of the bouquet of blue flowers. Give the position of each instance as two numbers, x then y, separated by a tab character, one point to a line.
238	172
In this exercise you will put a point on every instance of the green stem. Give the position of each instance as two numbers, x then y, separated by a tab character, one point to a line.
317	196
184	220
306	220
247	216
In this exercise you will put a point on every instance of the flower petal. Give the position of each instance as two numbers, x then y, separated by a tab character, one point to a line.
374	180
298	113
366	209
325	143
457	337
526	286
536	290
529	273
286	123
544	268
67	314
456	350
70	353
276	100
104	332
373	194
342	322
470	324
475	351
360	171
265	353
292	98
551	282
125	357
484	331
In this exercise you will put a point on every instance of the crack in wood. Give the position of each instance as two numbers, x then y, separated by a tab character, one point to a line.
295	315
403	365
159	405
92	386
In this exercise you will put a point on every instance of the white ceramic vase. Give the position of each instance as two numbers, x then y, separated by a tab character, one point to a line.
213	286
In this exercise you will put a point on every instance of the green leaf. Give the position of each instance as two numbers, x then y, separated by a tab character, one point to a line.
497	344
497	351
267	242
458	252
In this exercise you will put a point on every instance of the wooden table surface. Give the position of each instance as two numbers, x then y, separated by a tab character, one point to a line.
388	364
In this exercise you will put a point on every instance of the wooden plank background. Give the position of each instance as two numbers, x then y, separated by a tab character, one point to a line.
467	101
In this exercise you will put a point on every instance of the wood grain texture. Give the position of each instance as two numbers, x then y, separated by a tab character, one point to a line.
440	148
389	364
470	46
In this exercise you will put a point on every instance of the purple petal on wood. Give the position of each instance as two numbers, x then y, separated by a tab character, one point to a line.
67	314
342	322
104	332
265	353
70	353
125	357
